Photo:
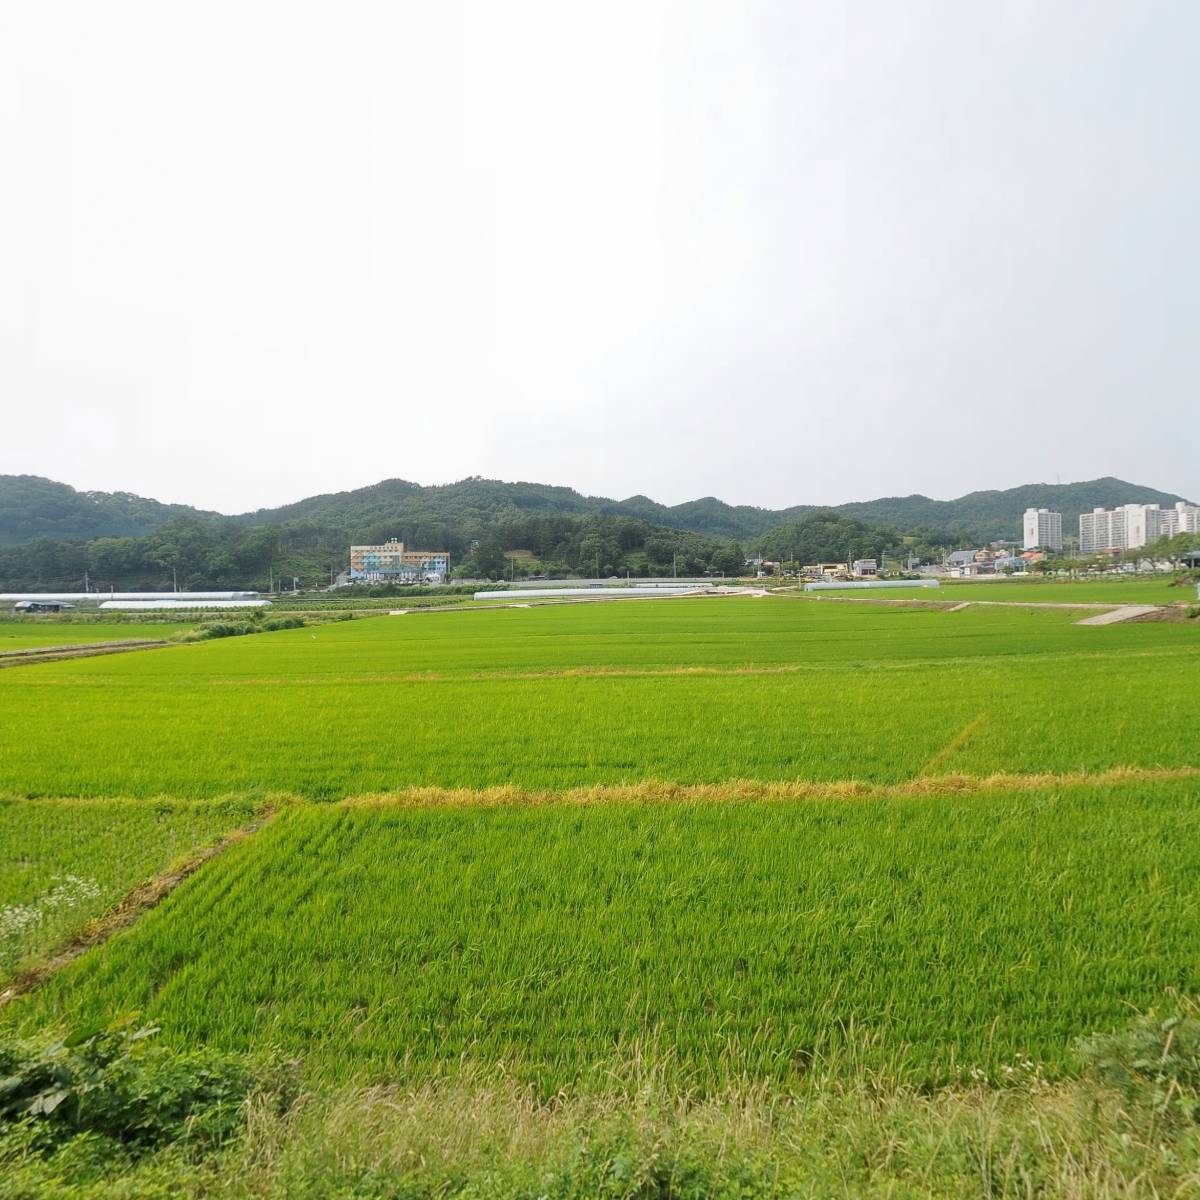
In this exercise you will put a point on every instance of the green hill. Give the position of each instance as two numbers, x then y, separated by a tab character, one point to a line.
434	513
395	505
50	533
33	507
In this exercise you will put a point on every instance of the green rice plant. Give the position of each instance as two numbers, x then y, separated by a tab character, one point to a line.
63	863
931	938
28	633
681	691
1135	590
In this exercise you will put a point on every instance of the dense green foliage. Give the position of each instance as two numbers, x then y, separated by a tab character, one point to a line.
985	514
600	546
111	1086
196	552
477	503
33	507
640	1139
63	862
826	536
925	935
225	553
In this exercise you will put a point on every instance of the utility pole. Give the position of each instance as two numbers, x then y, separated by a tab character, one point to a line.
175	579
674	564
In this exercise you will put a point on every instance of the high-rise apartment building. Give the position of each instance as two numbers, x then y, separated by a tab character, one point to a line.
1183	518
1133	526
1043	529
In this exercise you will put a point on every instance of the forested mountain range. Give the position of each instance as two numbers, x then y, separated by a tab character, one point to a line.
32	507
51	535
985	515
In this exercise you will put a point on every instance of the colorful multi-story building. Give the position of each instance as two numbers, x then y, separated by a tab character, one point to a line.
392	563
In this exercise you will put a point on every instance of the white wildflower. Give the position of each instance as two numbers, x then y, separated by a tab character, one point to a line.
69	891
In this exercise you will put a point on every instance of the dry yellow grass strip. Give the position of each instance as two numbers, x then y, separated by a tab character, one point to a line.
748	790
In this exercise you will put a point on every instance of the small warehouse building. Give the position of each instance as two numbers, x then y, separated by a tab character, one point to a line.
41	606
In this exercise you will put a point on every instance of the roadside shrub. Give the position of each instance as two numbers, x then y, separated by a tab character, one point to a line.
1153	1062
220	629
114	1085
283	623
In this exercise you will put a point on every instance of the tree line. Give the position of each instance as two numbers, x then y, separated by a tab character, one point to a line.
199	553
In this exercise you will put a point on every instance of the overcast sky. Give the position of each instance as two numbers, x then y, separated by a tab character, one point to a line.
776	252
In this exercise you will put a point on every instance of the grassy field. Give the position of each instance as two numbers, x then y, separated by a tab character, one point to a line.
64	862
1041	591
713	968
687	691
920	935
20	635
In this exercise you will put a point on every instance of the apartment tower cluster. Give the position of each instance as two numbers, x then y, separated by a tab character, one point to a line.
1128	527
1132	526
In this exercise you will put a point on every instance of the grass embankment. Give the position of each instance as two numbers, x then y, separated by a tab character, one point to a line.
702	691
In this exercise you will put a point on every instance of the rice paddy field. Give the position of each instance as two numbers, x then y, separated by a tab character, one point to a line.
688	691
725	847
748	937
63	862
25	634
1137	590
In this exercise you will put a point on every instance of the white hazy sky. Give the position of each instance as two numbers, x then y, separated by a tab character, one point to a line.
777	252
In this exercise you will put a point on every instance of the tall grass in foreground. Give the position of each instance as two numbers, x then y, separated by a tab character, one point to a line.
1126	1127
